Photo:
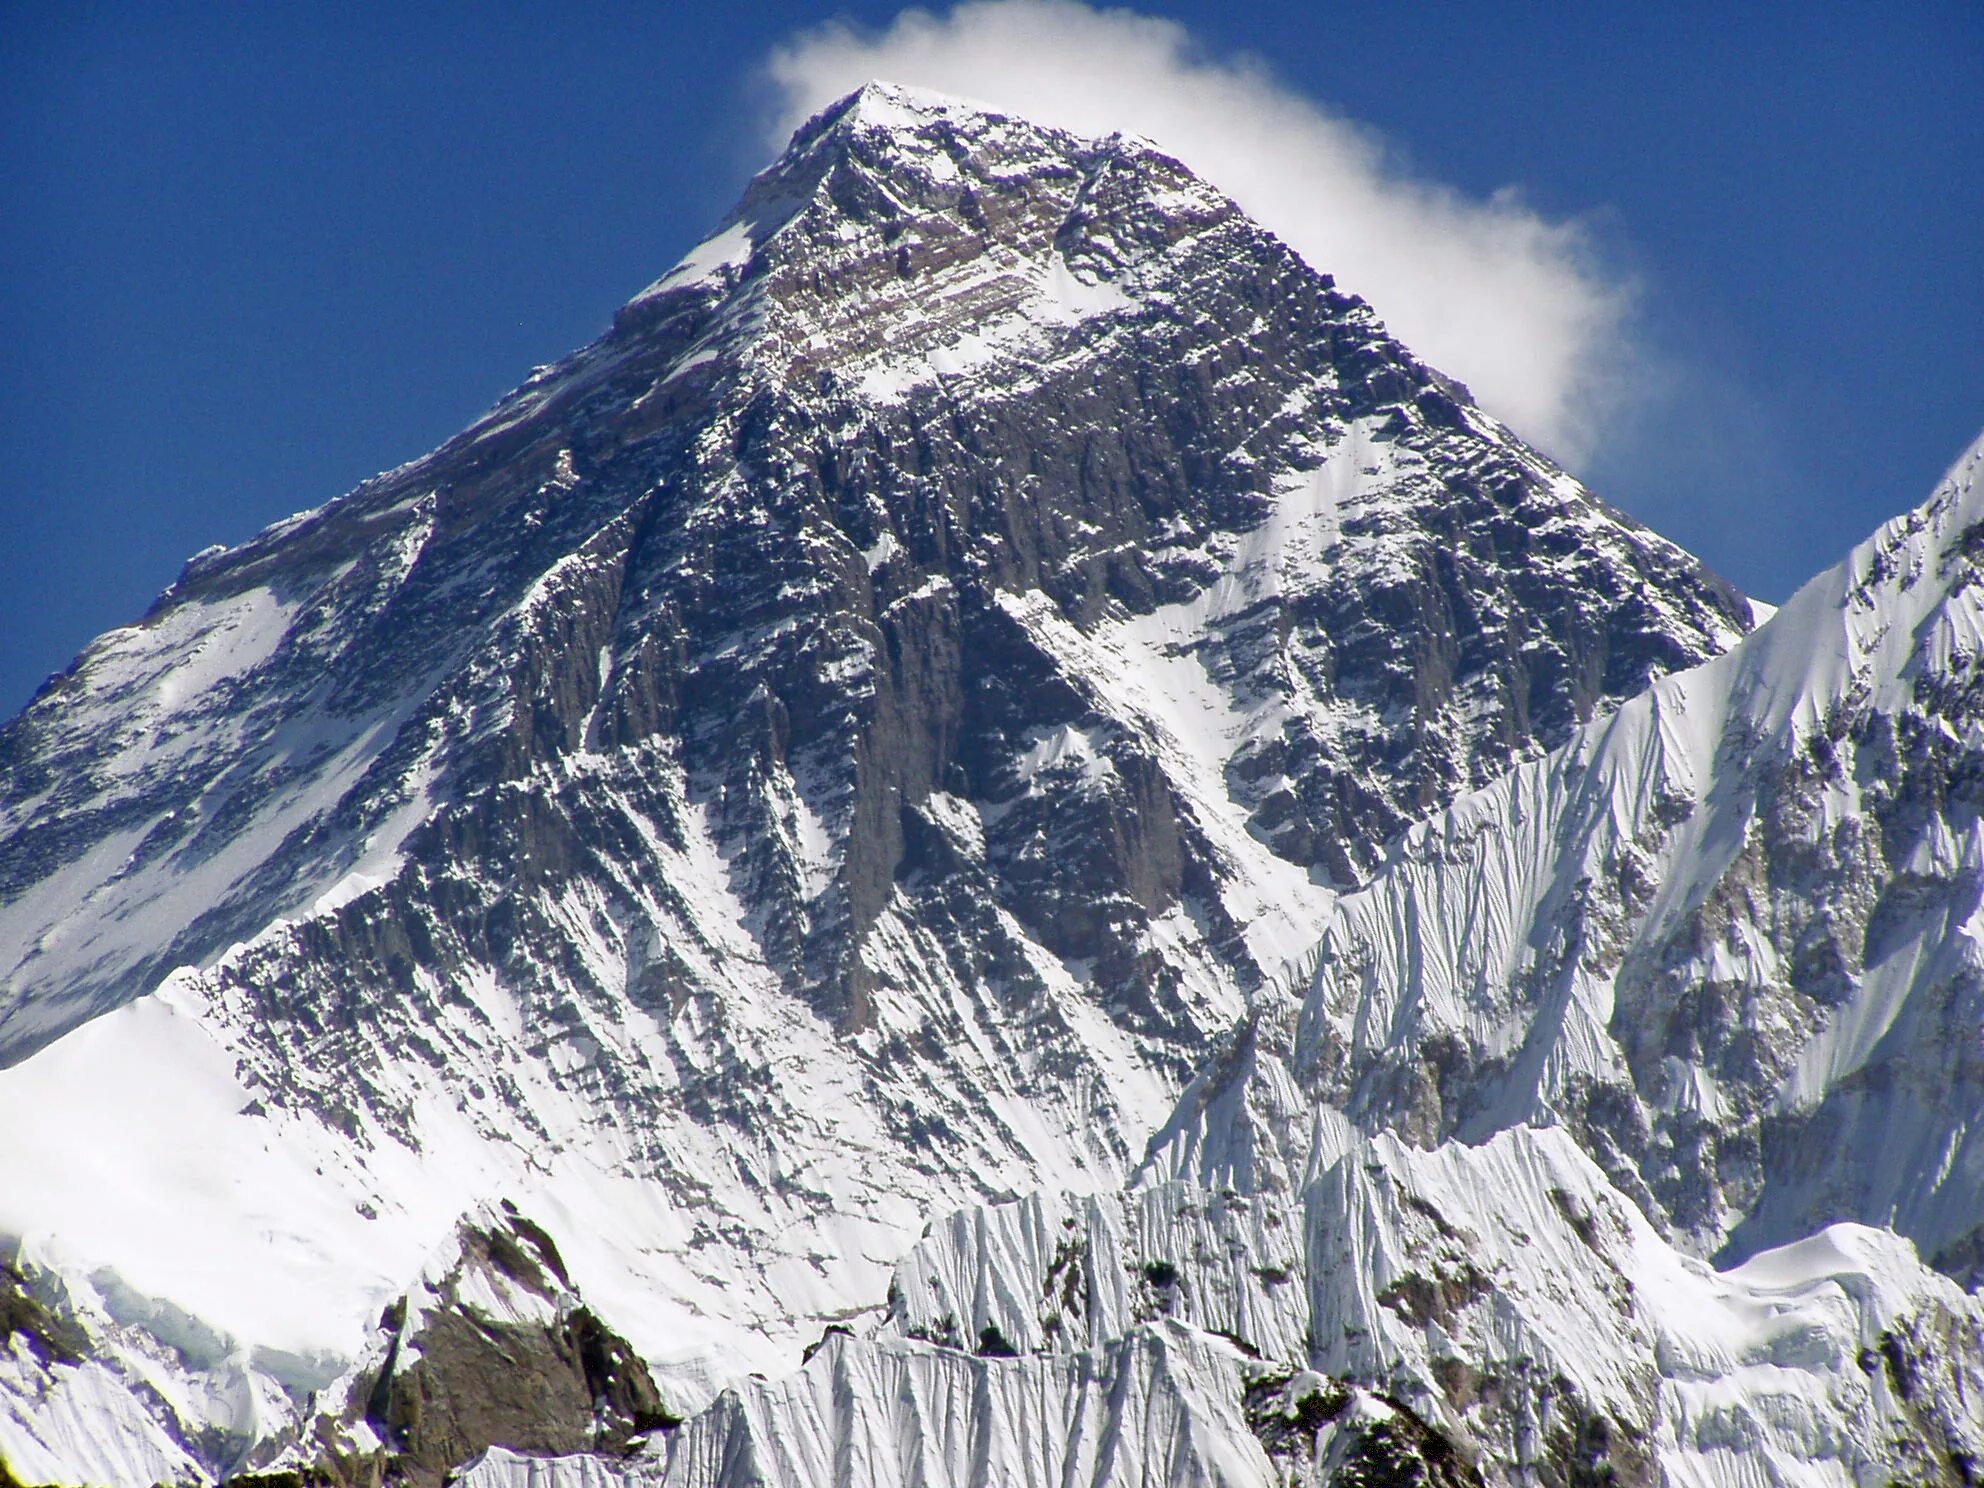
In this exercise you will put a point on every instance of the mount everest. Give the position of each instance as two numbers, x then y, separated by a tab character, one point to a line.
996	843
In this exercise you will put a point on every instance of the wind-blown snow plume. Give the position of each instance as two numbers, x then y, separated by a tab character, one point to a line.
1511	303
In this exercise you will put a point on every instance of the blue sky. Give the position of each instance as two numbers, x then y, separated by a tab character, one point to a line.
252	255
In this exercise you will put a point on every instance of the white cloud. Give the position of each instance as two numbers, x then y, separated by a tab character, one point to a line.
1489	291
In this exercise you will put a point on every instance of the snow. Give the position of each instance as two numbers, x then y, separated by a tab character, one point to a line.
893	107
191	650
1555	1288
82	1425
1065	747
178	711
206	1209
727	248
994	317
380	856
1157	1407
884	548
961	820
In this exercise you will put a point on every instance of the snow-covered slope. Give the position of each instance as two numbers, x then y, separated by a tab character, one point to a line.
842	747
1728	936
1506	1316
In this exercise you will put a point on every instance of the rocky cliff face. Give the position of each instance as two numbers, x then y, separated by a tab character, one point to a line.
847	744
493	1345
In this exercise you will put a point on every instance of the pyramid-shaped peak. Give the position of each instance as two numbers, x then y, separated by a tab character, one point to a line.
879	106
895	105
886	156
916	121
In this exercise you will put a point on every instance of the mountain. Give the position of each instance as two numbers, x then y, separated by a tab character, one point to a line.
1728	936
892	729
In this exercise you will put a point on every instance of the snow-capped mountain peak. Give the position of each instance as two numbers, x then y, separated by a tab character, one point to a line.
844	747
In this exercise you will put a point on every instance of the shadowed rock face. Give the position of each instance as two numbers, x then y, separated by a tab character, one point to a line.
848	738
48	1336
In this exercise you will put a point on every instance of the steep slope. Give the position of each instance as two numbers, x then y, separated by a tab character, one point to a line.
837	747
1498	1314
1729	936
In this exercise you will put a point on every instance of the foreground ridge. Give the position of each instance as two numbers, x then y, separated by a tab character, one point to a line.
1498	1314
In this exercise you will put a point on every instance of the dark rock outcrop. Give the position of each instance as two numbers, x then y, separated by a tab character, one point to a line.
495	1350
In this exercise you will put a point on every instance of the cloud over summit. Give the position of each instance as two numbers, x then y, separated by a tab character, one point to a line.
1491	292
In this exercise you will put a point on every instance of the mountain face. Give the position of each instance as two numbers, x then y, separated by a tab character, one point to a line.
993	678
960	440
1729	936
